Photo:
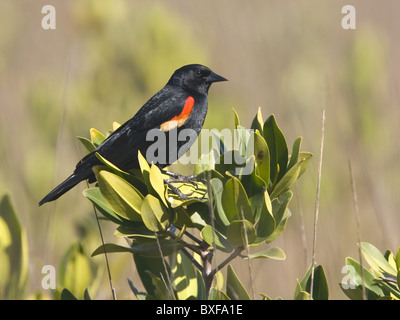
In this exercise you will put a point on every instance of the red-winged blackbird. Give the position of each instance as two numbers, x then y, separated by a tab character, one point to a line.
181	104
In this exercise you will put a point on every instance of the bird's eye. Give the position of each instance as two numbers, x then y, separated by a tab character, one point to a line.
198	73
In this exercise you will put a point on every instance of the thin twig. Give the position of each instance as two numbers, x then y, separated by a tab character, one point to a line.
190	246
114	295
192	259
317	203
357	215
232	256
248	254
192	237
169	285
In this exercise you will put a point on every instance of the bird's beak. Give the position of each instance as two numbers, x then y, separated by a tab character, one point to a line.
213	77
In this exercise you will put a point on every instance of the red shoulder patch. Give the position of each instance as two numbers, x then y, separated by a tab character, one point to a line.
180	119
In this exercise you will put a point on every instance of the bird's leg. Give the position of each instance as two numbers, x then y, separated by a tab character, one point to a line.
178	178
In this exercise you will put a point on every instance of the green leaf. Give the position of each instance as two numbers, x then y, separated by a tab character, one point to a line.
97	137
13	253
162	291
320	287
216	294
183	277
95	196
277	148
237	232
145	249
273	253
120	195
258	122
281	213
305	157
235	201
86	295
134	231
75	272
237	123
114	169
206	162
234	288
157	182
155	266
262	157
182	218
265	225
67	295
353	281
295	153
218	188
287	181
376	260
215	238
87	144
154	214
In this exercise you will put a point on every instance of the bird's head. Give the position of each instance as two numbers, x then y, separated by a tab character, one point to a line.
195	77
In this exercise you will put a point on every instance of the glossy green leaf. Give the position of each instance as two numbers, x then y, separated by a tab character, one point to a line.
121	196
90	147
235	202
215	239
134	231
258	122
183	277
230	163
273	253
97	137
182	218
217	189
114	169
161	288
234	288
320	287
376	260
306	158
237	122
287	181
157	182
13	253
294	157
239	231
153	264
75	272
216	294
277	148
353	281
262	157
146	249
67	295
95	196
265	225
154	214
281	213
205	163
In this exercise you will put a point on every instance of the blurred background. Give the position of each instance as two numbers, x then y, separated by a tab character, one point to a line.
291	58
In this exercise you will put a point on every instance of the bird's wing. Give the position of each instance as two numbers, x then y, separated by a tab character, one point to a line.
122	145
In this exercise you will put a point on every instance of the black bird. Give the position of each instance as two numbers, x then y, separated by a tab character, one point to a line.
181	104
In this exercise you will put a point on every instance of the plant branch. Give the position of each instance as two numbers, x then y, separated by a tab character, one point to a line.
232	256
192	259
316	213
192	247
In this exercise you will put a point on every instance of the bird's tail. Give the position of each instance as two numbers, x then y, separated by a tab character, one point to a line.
65	186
